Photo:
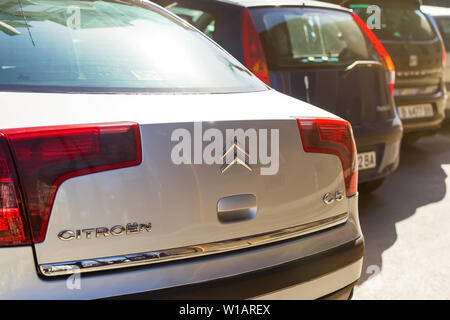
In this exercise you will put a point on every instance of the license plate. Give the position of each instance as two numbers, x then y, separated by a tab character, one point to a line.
416	111
367	160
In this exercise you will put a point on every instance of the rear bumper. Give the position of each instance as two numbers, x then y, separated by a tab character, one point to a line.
315	265
447	104
384	138
303	278
425	125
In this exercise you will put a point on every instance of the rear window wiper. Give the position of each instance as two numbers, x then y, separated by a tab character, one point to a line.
8	29
26	22
359	64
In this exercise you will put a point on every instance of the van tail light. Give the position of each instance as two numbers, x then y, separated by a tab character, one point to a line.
45	157
254	58
444	55
383	55
13	225
332	136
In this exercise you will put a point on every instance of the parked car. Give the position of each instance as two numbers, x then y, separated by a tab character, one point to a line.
316	52
419	57
440	16
104	188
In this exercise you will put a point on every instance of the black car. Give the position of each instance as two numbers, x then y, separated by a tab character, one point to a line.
417	49
317	52
441	17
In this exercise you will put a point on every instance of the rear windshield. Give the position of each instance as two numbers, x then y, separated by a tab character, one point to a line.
399	24
444	27
110	46
439	3
299	37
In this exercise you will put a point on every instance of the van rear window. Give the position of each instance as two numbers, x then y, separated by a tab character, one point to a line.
439	3
399	24
444	28
298	37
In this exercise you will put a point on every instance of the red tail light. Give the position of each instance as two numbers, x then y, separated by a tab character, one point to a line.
444	55
47	156
254	58
13	228
383	55
332	136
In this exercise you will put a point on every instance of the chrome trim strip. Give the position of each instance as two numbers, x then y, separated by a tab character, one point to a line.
151	257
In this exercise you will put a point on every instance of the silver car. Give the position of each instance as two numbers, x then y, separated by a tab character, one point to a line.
138	159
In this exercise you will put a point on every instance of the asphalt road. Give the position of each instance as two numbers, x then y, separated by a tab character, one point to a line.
406	225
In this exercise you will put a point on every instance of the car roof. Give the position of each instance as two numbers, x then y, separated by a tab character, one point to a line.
436	11
269	3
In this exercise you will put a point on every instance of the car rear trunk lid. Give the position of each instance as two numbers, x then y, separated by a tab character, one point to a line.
159	206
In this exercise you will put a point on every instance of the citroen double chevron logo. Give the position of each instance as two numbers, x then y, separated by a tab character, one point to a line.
235	155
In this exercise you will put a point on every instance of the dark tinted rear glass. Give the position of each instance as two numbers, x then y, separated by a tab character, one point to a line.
439	3
399	24
444	28
298	37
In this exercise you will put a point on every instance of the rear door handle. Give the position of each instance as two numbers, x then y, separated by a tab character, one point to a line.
237	208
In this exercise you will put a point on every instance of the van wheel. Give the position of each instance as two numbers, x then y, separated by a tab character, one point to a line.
371	186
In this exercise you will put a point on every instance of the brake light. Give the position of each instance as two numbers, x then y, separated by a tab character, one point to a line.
444	55
47	156
13	230
335	137
383	55
254	58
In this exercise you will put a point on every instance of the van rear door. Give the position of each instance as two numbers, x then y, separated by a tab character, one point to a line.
413	44
321	56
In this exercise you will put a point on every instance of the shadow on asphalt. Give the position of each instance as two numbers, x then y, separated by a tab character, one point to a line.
419	180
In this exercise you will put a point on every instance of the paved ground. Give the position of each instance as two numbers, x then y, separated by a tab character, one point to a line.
406	224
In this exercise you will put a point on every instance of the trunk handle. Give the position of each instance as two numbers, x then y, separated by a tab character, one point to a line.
237	208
